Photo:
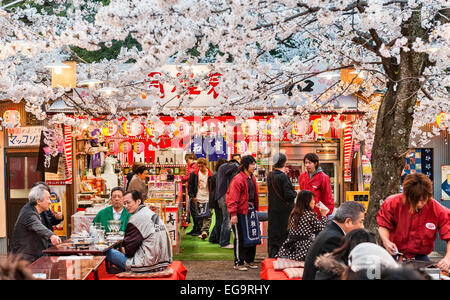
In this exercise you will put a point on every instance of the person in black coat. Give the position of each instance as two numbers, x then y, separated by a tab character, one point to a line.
225	174
213	204
30	237
282	196
349	216
47	217
331	265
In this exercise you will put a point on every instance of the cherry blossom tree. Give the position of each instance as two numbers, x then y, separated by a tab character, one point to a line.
263	50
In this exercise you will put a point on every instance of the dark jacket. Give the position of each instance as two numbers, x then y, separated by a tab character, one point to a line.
130	176
193	183
279	208
225	173
30	237
328	240
49	220
212	191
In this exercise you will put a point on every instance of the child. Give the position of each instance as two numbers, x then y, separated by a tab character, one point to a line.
302	225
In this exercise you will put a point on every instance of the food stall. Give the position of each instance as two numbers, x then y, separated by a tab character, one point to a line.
104	153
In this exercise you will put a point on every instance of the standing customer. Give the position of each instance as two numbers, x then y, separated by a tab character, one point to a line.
242	193
303	223
139	183
191	165
281	202
316	181
225	174
213	204
349	216
408	222
30	237
131	174
236	157
199	193
146	243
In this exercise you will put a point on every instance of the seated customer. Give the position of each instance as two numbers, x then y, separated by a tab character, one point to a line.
147	245
30	237
349	216
138	182
49	219
331	266
302	225
114	212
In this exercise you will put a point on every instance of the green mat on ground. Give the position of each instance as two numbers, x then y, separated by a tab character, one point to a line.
194	248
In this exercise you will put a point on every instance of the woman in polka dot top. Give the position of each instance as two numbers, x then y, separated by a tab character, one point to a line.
302	226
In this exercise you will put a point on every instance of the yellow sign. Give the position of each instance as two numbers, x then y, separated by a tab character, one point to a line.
361	197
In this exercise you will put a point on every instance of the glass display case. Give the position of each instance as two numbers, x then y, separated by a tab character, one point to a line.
163	190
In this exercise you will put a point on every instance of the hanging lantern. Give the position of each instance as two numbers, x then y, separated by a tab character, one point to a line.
159	128
125	147
109	129
138	147
274	126
242	147
149	128
133	128
250	127
11	118
184	129
113	147
300	128
442	118
321	126
253	146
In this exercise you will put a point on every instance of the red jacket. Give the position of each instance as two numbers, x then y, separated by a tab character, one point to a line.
414	233
320	185
189	169
237	195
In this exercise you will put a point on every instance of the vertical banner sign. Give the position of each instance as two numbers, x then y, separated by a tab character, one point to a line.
348	146
445	182
171	223
68	153
419	161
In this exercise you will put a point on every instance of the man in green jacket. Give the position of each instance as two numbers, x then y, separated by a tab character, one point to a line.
114	212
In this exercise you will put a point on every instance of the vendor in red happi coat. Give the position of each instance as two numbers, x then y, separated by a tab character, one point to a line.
316	181
408	222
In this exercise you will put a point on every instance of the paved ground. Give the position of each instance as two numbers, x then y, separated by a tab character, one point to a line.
219	270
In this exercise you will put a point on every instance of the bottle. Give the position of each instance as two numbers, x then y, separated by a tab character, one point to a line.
93	233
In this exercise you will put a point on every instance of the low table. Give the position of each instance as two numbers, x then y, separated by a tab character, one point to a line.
66	267
67	248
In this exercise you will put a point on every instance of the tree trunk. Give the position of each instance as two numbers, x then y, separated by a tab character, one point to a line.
394	123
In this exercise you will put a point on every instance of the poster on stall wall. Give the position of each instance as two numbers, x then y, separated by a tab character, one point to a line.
58	205
367	172
445	182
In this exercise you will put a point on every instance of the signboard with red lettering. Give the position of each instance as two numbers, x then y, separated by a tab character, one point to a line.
24	136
